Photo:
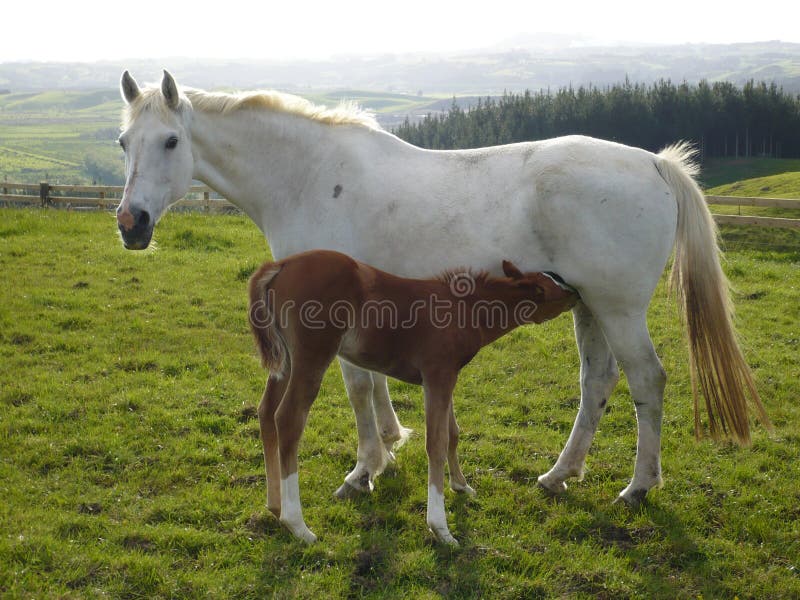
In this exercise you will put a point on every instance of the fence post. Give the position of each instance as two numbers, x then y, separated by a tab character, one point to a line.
44	193
206	203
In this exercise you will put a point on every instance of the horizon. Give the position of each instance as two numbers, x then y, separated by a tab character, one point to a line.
316	31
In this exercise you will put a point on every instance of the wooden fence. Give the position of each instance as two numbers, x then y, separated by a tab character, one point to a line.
202	198
45	194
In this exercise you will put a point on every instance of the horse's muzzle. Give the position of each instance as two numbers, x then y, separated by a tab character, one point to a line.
136	228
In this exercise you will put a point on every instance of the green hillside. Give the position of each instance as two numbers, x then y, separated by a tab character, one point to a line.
782	185
720	171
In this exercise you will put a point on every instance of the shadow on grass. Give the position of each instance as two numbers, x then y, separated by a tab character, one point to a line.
656	547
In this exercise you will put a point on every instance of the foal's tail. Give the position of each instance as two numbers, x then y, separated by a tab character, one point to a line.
717	365
263	324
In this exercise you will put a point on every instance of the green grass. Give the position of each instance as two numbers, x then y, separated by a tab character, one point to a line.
130	464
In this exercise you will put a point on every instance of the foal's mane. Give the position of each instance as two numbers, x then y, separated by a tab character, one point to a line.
451	277
346	113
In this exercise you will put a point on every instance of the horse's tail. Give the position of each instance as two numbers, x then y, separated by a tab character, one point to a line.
269	341
717	365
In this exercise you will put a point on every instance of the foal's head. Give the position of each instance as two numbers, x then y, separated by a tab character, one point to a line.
550	297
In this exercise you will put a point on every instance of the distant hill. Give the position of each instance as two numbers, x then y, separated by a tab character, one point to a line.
491	71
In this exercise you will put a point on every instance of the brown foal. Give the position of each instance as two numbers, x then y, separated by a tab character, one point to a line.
308	308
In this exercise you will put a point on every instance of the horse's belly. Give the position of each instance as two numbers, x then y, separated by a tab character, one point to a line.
354	351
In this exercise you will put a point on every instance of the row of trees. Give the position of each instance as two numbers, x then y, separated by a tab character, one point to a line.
758	119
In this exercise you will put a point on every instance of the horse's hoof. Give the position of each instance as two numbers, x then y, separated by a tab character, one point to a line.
444	536
301	532
555	488
347	491
465	489
632	498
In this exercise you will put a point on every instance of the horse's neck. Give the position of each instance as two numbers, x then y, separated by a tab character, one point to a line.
491	322
258	160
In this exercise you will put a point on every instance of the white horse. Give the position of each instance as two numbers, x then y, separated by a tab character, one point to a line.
602	215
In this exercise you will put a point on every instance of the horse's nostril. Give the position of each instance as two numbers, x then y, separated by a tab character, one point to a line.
144	219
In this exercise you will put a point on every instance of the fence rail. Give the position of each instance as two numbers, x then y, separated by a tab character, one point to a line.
98	196
108	196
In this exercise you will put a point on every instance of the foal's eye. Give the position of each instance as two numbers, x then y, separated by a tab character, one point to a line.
172	141
122	144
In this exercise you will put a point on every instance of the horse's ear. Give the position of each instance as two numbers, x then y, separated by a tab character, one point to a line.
511	271
129	88
170	90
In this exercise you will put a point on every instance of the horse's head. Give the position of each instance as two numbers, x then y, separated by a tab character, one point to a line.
158	156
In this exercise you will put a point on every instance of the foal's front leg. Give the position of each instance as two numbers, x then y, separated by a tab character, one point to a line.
458	483
438	399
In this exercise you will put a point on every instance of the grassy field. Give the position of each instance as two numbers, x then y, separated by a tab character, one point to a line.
130	465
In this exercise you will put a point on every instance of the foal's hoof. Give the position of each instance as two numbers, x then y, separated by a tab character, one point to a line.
632	498
555	488
347	491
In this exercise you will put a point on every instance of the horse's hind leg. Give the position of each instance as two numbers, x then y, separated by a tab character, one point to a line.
273	394
599	375
392	433
371	456
458	483
290	420
630	341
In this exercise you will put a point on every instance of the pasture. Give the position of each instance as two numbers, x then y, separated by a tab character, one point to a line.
130	464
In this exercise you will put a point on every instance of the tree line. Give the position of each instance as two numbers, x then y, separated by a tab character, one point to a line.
722	119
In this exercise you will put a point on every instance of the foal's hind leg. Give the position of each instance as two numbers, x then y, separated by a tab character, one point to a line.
632	346
458	483
371	456
290	420
273	394
599	375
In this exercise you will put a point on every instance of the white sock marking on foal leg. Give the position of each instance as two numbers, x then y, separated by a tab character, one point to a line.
292	511
437	520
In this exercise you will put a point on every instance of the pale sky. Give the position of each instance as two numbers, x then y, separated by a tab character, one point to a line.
96	30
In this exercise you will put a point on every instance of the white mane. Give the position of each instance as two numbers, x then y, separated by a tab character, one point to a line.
346	113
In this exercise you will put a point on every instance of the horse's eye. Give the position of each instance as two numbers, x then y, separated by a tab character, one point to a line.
122	143
172	142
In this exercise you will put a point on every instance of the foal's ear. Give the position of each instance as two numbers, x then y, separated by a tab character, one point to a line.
170	90
129	88
511	271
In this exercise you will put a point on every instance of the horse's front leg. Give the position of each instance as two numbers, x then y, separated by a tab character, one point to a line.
599	375
438	400
393	434
371	456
